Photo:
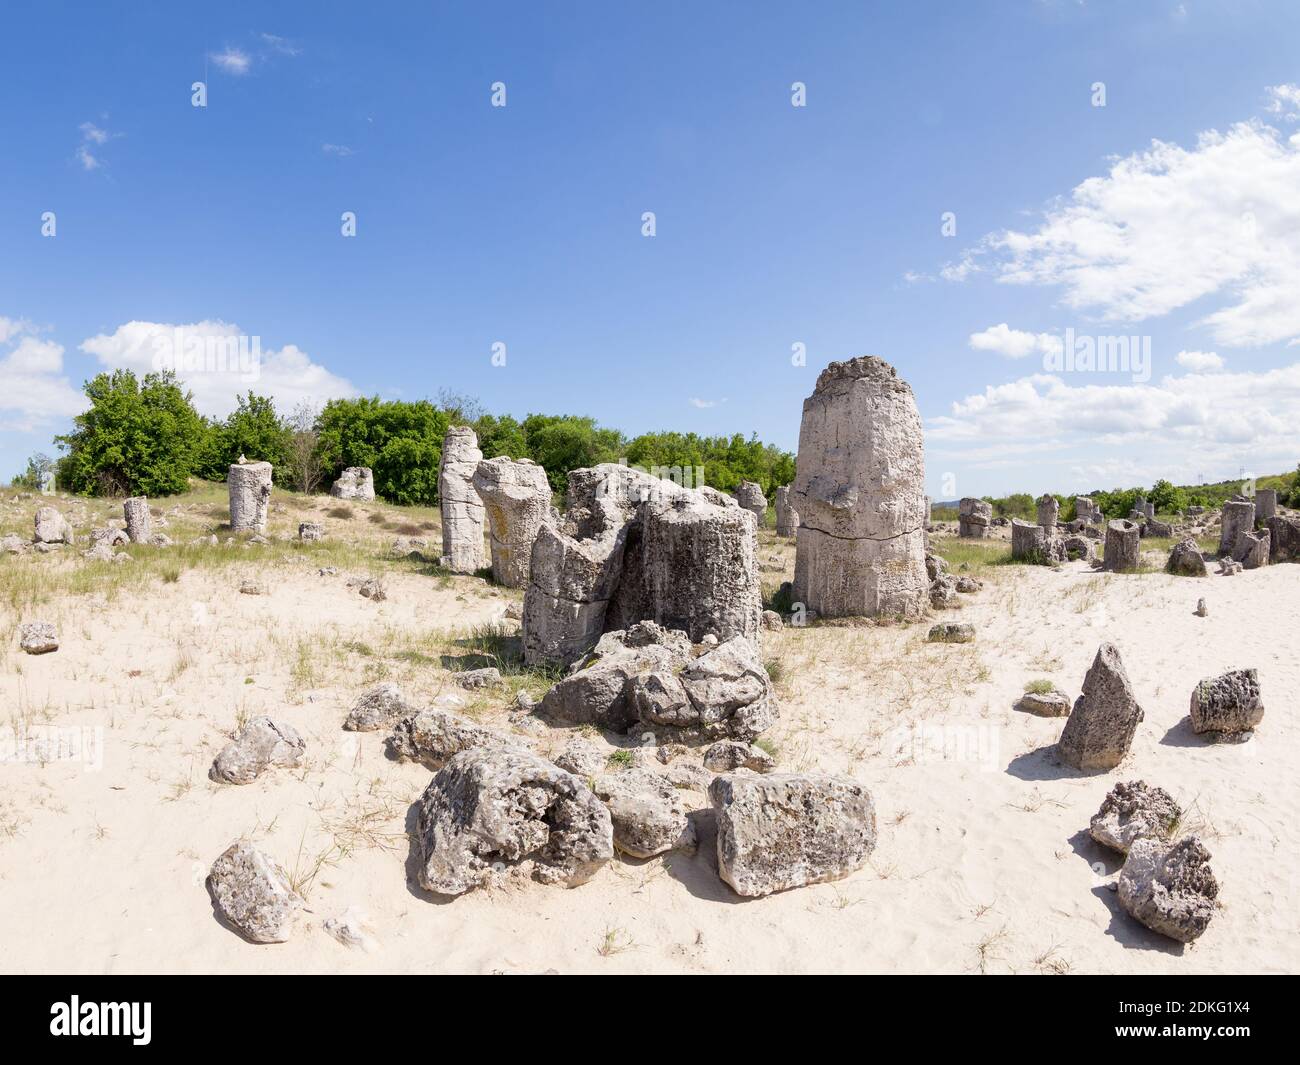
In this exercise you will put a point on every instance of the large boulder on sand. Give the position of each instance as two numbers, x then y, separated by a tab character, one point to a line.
859	489
1228	705
1169	888
501	807
517	498
252	892
647	812
260	745
355	482
378	707
463	515
1100	728
1131	811
433	737
1186	560
786	830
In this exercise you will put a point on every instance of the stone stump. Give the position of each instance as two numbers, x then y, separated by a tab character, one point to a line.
859	491
1048	511
250	496
1238	517
138	521
1265	503
1123	545
974	516
517	499
463	514
787	518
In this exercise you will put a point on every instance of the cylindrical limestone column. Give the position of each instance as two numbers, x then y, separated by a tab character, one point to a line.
1028	542
250	495
787	518
517	499
859	489
1048	511
1238	517
138	524
463	516
1265	504
1123	544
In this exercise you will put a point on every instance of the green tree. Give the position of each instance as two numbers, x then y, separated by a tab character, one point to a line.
564	442
400	441
253	429
137	438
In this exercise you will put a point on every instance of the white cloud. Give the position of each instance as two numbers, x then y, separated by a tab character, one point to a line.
1199	361
232	60
33	388
280	44
1167	227
92	137
213	364
341	150
1284	100
1014	343
93	133
705	404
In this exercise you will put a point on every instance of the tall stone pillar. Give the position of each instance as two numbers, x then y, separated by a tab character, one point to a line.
463	516
250	495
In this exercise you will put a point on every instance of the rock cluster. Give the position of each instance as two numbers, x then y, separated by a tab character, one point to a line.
52	527
859	490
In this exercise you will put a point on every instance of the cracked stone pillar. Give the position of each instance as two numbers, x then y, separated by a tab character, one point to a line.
859	491
517	496
787	518
463	514
250	495
1238	517
139	527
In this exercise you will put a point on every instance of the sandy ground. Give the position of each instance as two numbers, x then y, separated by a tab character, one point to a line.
983	862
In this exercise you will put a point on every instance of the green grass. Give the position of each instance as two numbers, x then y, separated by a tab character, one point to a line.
1039	687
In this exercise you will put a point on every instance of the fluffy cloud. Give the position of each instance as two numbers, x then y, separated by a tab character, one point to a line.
1199	361
93	137
1014	343
232	60
217	361
36	392
1285	100
704	404
1169	226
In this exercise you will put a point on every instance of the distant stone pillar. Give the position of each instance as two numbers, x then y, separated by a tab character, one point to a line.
1123	545
860	493
787	518
250	495
1238	517
749	494
1265	503
463	515
138	524
1048	511
1083	509
974	516
517	498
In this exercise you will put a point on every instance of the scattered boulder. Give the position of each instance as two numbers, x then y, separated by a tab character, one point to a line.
1045	704
252	892
1169	888
583	758
950	632
969	585
646	811
260	745
1132	811
935	566
474	679
786	830
409	547
463	514
726	756
1186	560
378	707
12	544
771	621
38	637
250	495
498	806
860	493
355	482
371	588
943	593
310	531
52	527
1078	549
1201	609
435	736
1157	528
254	587
1227	706
517	499
1100	729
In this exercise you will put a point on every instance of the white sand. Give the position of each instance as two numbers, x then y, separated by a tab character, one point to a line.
982	862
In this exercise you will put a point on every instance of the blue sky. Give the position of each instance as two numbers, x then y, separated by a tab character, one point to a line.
775	225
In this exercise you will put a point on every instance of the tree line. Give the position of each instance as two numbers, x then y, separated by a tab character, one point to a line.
142	436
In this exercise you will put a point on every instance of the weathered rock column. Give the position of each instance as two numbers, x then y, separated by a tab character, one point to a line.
1049	510
517	497
463	515
860	493
139	526
974	516
1238	517
1084	509
1265	503
356	482
749	494
1123	545
250	495
1030	543
787	518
